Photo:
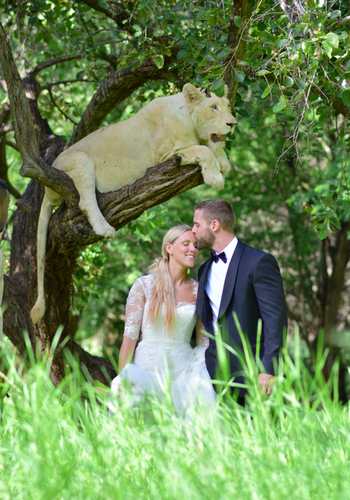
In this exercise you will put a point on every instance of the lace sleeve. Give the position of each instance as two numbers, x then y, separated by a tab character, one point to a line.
134	310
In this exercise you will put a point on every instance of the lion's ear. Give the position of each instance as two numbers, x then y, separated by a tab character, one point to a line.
192	94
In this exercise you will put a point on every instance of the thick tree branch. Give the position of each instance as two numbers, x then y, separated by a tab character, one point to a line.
34	139
52	62
114	89
70	230
26	128
97	368
117	11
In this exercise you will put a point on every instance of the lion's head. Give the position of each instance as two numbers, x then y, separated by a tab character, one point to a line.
211	115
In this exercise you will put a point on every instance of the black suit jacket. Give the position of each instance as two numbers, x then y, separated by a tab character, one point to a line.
253	290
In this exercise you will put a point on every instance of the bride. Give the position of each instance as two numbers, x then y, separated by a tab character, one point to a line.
160	319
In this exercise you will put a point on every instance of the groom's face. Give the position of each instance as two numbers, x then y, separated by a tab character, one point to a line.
201	229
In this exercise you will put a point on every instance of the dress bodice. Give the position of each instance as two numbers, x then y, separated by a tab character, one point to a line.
138	321
181	330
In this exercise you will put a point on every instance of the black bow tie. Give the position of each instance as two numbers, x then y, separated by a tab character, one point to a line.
216	256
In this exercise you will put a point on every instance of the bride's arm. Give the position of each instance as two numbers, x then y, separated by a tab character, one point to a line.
126	352
133	322
201	339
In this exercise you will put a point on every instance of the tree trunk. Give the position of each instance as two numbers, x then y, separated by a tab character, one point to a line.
69	233
340	255
20	284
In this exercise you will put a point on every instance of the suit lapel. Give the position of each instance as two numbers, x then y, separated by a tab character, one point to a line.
230	280
202	283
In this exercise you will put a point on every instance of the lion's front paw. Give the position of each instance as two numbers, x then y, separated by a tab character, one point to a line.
214	179
96	219
102	228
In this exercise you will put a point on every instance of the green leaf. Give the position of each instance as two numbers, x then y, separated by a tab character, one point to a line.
182	54
239	76
283	42
332	39
225	52
262	72
158	60
267	91
330	42
218	87
280	106
327	48
289	82
345	97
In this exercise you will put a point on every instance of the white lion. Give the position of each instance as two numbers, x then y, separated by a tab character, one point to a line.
191	125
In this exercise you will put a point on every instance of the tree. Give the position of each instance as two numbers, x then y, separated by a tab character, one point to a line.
129	58
288	73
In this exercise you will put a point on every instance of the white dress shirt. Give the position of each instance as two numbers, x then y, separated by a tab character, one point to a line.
216	278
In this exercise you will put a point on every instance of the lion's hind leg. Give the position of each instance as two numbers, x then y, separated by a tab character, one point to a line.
80	167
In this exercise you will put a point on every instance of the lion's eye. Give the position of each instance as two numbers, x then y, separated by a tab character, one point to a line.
214	106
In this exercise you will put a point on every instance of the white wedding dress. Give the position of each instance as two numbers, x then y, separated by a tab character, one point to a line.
164	359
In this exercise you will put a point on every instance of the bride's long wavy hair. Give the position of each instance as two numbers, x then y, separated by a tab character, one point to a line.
163	292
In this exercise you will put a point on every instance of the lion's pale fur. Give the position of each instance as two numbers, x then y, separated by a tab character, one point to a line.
190	124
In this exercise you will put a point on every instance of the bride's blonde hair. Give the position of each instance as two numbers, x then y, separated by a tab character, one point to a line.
163	290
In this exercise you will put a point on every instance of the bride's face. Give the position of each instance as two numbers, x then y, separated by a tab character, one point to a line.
184	249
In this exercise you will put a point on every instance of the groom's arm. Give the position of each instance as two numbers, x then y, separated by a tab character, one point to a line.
269	292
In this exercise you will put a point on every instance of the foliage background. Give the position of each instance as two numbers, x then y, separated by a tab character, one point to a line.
290	88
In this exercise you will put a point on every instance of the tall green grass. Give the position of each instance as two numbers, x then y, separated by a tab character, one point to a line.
61	442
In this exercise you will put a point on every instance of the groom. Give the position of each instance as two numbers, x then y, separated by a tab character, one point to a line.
239	281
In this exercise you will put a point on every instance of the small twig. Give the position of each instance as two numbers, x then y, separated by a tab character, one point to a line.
3	377
67	82
53	62
60	109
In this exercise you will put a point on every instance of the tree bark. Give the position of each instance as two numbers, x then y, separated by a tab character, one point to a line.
336	281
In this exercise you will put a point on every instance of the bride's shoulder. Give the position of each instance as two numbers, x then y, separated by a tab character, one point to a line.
146	281
142	287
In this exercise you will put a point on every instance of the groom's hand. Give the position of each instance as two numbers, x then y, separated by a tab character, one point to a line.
266	382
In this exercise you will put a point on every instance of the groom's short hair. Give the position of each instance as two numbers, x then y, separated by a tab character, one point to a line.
220	210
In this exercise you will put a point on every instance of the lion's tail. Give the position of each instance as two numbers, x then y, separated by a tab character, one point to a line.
38	309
